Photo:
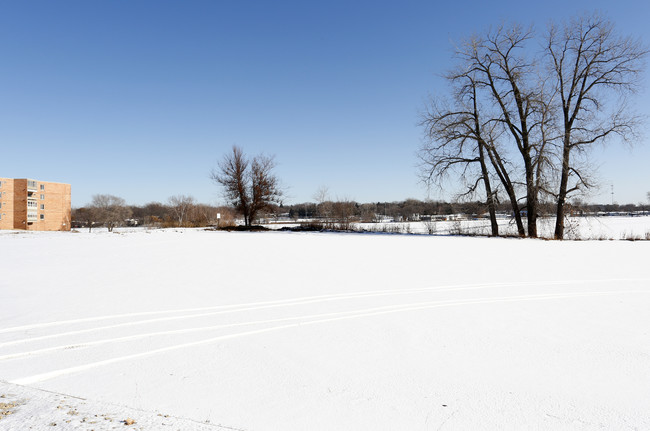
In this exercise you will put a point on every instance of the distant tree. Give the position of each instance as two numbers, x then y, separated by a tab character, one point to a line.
110	210
182	207
151	212
368	212
203	215
321	195
324	205
249	184
86	216
343	213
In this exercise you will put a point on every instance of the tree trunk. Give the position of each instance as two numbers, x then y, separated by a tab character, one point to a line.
484	170
531	189
499	167
531	206
488	191
561	197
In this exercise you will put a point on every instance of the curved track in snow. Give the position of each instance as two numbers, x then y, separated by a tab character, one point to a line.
290	318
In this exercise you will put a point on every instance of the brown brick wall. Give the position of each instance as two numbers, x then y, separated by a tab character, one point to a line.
56	213
20	204
7	203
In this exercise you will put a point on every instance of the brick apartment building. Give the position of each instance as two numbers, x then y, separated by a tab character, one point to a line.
34	205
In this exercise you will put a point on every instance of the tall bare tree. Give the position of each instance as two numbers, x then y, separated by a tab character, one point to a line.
591	64
506	70
457	140
250	185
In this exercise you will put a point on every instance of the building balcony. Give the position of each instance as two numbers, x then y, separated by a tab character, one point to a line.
32	186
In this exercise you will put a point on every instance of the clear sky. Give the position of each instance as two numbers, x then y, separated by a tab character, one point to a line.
140	99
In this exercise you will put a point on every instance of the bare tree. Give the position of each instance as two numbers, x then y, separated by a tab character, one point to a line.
85	215
497	105
182	206
323	203
321	195
591	63
456	140
110	210
265	187
249	185
507	72
232	175
343	214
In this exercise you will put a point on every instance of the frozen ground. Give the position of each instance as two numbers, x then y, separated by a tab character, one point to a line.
188	329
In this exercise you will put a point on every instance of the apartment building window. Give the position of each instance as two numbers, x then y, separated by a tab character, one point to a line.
42	186
42	197
42	206
42	216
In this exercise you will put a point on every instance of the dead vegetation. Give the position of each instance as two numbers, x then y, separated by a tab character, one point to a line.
7	408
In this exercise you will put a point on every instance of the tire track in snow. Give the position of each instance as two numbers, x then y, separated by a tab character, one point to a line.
254	304
318	320
235	308
206	328
161	333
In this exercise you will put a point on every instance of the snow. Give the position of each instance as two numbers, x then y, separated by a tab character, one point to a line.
191	329
576	228
34	409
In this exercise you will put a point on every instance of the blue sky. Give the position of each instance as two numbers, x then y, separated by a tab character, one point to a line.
140	99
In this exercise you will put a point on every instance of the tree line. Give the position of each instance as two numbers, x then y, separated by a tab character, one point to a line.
179	211
183	211
414	210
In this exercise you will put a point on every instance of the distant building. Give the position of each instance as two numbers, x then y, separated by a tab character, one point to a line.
34	205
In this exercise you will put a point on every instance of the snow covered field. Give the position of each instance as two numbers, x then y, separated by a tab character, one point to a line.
189	329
